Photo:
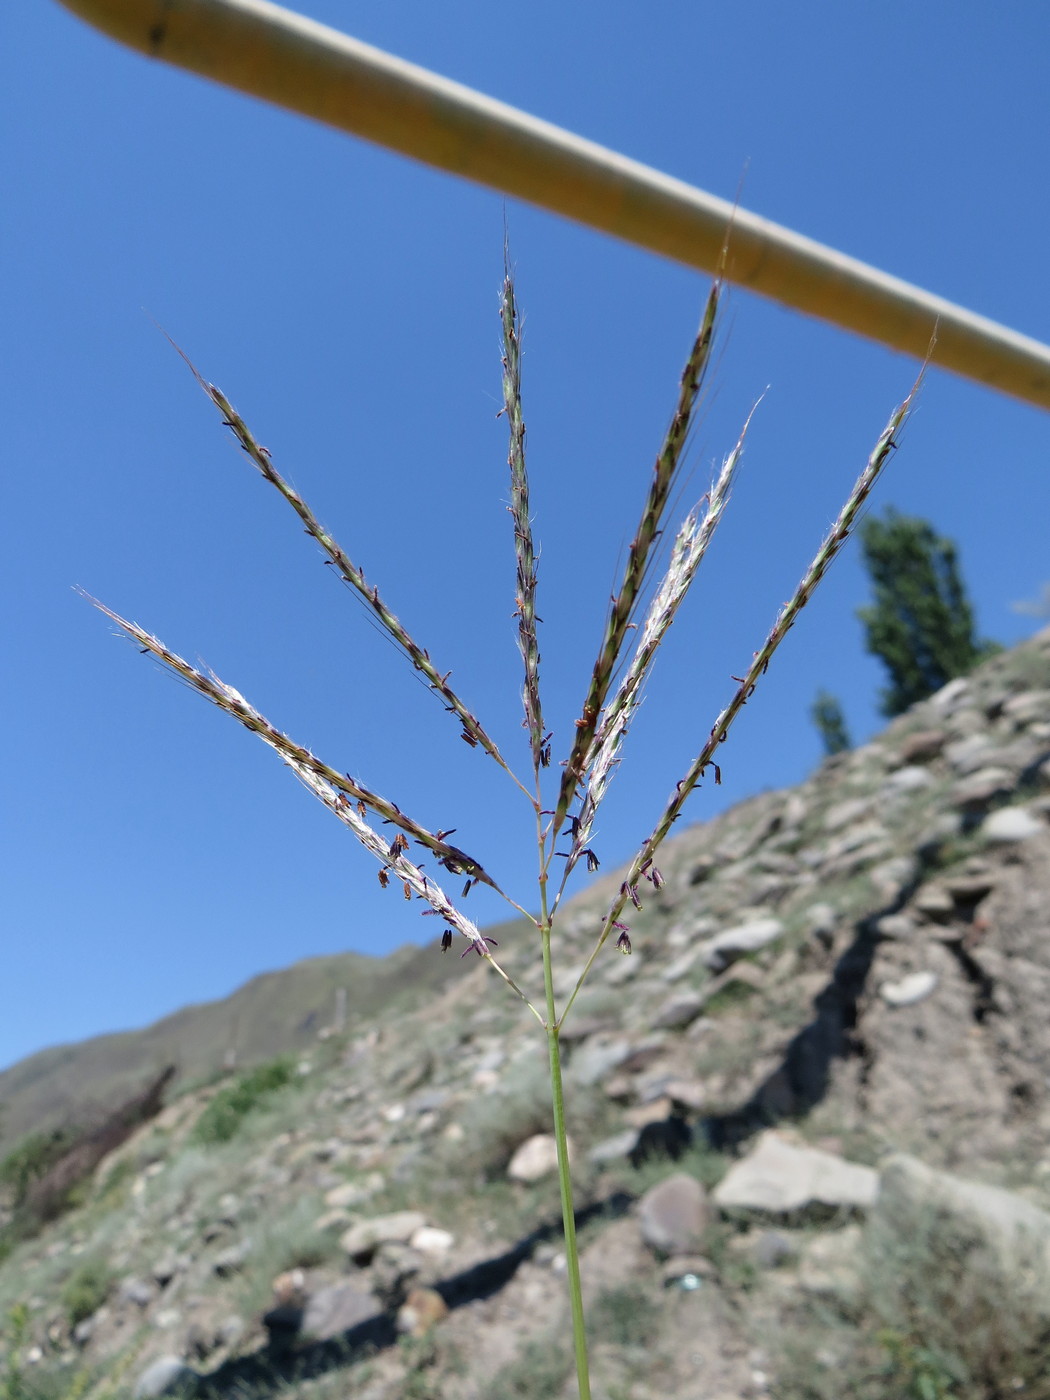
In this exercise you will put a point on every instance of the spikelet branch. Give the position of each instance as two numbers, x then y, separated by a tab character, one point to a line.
470	727
393	860
689	549
642	865
234	704
626	599
525	602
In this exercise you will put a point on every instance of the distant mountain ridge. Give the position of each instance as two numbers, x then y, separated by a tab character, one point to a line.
275	1013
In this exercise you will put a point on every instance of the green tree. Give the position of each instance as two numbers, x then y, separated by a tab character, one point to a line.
921	624
826	714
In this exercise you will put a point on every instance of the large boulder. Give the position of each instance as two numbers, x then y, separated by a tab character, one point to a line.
781	1180
673	1215
915	1201
967	1264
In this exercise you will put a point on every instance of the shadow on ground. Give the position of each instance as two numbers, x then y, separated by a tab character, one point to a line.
803	1076
268	1371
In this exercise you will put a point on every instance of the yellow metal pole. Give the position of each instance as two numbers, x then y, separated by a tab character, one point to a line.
263	49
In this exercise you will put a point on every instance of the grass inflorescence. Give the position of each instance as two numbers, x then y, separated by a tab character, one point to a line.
635	627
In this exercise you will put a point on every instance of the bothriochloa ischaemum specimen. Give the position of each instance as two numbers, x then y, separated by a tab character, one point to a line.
563	780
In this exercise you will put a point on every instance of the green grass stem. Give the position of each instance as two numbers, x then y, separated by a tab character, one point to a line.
572	1253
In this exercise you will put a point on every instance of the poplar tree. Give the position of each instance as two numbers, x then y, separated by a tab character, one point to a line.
921	624
826	713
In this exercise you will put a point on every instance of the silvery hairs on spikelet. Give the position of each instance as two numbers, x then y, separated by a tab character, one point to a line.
626	600
642	865
344	796
690	545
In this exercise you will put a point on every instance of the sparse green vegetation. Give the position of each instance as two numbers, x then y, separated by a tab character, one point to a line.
15	1331
222	1118
86	1289
729	998
736	1268
31	1158
496	1123
626	1316
115	1182
937	1319
427	1367
290	1241
707	1164
537	1373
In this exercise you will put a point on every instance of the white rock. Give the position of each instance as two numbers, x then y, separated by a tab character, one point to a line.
893	878
621	969
535	1158
598	1057
334	1219
678	968
910	779
733	943
821	920
895	926
678	1011
778	1178
349	1194
1011	824
367	1235
982	786
431	1240
846	813
934	899
136	1290
909	990
337	1309
871	834
1028	705
615	1148
968	754
949	695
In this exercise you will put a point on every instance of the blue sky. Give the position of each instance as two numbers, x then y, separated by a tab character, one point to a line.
345	299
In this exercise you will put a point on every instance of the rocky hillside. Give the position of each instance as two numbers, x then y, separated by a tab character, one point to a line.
810	1114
